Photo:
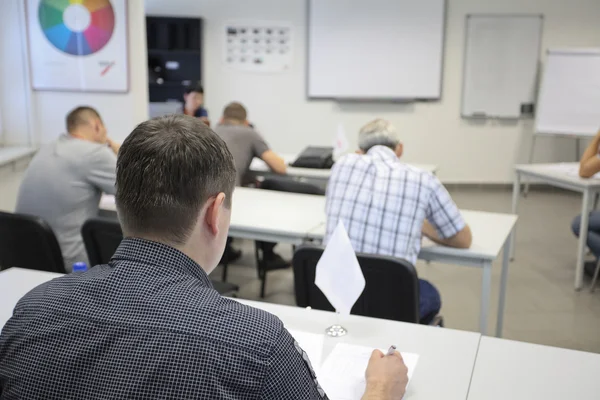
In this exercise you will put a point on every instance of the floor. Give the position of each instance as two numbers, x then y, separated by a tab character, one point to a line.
542	306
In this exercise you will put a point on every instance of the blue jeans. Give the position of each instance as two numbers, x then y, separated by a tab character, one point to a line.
430	301
593	236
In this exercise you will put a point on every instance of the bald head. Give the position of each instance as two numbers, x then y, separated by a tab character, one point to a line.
81	116
85	123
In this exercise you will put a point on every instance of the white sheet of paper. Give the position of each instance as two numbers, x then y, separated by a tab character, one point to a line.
312	344
343	373
338	274
107	202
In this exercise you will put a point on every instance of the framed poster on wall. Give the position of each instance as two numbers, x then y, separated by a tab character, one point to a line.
78	45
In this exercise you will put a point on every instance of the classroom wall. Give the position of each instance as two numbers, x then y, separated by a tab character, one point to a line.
432	132
121	112
14	88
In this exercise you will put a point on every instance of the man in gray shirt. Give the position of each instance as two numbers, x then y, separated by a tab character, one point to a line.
245	143
66	178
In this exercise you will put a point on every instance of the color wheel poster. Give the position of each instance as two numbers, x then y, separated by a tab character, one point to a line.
78	45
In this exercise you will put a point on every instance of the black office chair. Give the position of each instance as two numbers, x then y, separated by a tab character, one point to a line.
28	242
280	184
102	237
391	290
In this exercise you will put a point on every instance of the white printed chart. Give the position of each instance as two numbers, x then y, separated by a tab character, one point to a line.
258	46
78	45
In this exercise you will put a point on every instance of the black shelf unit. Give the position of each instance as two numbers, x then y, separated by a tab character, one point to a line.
174	56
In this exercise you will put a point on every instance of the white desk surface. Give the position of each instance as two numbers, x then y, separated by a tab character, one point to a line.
290	216
16	283
293	215
507	369
446	358
259	165
558	173
490	231
257	212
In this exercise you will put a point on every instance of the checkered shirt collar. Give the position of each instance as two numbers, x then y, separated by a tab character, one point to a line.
158	254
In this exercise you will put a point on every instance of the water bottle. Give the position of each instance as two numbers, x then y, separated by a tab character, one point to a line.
80	267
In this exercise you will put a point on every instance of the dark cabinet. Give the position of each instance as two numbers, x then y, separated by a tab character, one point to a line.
174	56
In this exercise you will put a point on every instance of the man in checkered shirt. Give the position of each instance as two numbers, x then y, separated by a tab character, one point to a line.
386	205
149	325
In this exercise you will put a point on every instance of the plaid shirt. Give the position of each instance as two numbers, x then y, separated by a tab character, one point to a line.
147	326
384	202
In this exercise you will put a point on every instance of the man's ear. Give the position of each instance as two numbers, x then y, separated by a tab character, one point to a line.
399	149
214	211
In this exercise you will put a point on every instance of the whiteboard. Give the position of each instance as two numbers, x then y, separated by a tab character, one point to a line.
569	101
375	49
501	63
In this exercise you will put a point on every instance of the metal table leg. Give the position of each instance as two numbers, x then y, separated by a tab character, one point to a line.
583	231
486	285
503	280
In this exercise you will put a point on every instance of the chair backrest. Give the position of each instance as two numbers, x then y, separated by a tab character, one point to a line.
391	290
290	185
27	241
102	237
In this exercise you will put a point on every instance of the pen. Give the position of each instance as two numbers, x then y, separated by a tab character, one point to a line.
391	350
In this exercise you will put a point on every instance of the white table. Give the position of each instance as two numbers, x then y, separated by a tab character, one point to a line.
267	215
563	176
521	371
259	167
491	233
16	283
438	348
296	218
275	216
446	358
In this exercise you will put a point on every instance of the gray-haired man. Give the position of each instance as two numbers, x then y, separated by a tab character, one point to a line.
387	205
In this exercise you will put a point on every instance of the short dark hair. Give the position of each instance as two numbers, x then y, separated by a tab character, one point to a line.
167	168
80	116
235	111
194	87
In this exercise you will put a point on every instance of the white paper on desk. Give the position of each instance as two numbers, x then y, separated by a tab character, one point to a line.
312	344
343	373
107	202
338	273
571	169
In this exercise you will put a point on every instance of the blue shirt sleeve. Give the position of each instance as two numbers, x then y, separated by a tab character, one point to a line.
201	112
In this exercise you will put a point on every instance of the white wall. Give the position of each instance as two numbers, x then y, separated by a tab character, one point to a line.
14	89
121	112
432	132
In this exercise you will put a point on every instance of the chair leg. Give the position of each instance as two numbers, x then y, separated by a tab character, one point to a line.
262	272
224	276
263	284
595	278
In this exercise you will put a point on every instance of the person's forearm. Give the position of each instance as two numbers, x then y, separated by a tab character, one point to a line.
462	240
430	232
591	150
